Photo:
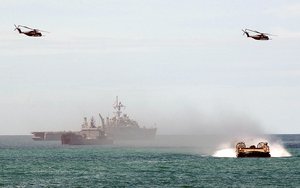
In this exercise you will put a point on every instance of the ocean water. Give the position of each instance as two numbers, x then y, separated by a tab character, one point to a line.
158	163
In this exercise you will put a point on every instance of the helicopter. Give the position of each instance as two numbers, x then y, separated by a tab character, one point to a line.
258	36
31	33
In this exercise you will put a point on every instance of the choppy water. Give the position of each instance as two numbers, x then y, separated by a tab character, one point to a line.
25	163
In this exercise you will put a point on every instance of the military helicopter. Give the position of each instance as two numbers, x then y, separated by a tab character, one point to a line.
31	33
258	36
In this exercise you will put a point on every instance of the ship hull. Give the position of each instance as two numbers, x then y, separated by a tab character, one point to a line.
75	139
117	133
131	133
253	154
47	136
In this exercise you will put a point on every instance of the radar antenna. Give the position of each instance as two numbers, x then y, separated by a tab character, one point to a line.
118	107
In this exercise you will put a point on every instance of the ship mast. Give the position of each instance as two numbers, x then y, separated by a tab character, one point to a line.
118	107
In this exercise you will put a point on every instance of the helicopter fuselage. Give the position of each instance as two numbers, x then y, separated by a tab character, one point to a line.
33	33
260	37
257	37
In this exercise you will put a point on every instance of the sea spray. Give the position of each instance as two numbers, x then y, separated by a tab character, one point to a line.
278	150
227	152
228	149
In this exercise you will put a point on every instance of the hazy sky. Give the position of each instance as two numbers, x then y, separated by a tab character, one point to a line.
182	65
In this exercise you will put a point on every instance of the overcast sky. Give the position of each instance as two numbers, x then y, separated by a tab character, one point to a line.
182	65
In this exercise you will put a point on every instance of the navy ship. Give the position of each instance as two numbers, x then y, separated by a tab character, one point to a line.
117	127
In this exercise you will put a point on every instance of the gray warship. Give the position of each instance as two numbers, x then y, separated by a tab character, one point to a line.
117	127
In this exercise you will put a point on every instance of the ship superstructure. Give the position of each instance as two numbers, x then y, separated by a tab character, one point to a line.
120	126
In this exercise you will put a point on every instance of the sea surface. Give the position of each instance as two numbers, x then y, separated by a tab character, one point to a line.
168	161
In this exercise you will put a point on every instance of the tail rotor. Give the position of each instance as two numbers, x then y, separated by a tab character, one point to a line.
245	33
17	28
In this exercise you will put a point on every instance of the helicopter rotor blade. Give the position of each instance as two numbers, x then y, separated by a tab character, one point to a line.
33	29
43	31
25	27
269	34
260	32
253	31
